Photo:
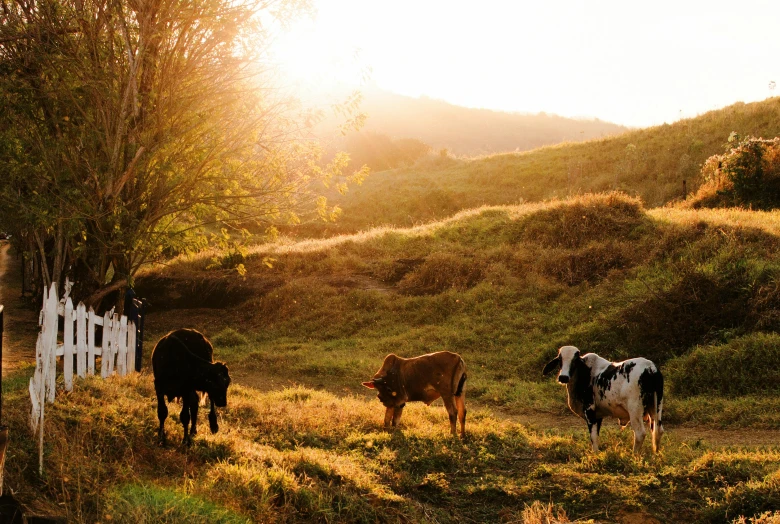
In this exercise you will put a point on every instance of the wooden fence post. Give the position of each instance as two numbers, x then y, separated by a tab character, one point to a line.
91	341
67	350
131	334
81	340
106	351
50	319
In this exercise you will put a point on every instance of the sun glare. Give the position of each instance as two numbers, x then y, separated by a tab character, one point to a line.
313	60
624	63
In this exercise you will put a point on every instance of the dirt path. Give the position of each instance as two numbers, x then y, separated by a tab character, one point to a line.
688	434
20	319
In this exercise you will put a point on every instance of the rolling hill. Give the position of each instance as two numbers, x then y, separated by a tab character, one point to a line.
650	163
467	131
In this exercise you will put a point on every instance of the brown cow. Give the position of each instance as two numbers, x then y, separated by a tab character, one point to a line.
424	378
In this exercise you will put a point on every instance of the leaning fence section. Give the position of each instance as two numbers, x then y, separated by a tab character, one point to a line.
79	346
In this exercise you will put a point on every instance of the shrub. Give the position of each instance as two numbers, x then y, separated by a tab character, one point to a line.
748	175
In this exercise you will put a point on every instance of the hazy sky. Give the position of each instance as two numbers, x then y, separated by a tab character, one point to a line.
633	63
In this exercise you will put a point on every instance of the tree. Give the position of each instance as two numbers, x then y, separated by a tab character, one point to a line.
131	128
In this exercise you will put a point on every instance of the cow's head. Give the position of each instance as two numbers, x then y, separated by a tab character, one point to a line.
217	382
387	381
568	359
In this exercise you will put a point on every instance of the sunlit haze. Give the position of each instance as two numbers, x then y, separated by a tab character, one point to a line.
632	63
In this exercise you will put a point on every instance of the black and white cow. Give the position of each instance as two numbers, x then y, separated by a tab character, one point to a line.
632	391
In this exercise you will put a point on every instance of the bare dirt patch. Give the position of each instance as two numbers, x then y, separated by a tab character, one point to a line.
20	318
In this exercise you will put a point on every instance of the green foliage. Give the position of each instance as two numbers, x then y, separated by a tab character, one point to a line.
124	142
747	175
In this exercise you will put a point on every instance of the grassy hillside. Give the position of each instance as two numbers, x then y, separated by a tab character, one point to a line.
301	440
467	131
650	163
506	286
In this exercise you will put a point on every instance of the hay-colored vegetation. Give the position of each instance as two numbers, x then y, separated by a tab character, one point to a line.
303	455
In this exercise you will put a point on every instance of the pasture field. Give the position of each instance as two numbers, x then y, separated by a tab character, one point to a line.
303	455
505	286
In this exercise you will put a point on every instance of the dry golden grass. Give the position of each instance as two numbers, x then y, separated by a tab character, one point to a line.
302	455
767	221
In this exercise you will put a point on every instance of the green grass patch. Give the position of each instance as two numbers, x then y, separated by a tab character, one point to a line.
134	503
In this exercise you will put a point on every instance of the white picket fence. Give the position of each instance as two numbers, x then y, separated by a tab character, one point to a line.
117	351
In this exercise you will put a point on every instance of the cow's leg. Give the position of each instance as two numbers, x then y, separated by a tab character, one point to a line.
399	410
658	427
194	404
460	403
389	416
162	414
638	425
452	411
185	417
213	425
594	426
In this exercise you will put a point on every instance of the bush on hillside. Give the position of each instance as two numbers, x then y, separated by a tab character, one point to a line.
747	175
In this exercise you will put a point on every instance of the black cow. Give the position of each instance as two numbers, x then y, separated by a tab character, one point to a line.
183	365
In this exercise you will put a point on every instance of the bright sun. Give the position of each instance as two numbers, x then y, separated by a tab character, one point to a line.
312	59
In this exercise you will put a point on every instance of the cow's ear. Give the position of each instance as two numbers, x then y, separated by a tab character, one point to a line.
551	365
369	385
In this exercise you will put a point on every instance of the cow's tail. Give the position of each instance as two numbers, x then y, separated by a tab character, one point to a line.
460	367
656	420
